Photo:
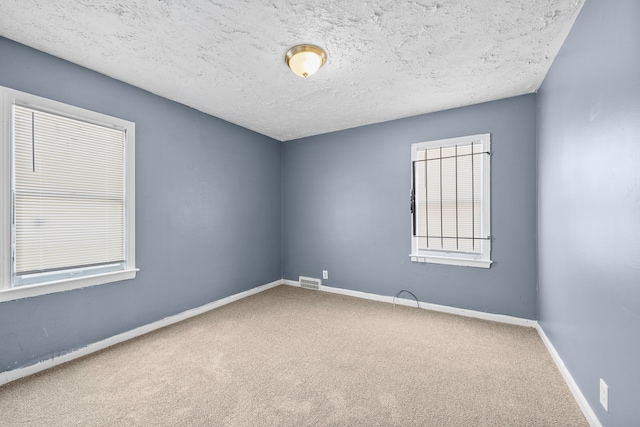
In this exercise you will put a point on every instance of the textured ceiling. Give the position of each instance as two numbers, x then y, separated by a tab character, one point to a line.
387	59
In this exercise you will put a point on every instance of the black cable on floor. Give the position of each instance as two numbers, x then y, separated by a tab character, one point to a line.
410	293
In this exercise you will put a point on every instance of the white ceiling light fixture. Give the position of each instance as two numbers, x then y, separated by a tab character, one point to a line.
305	59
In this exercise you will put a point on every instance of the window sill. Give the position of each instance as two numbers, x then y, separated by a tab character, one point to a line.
28	291
482	263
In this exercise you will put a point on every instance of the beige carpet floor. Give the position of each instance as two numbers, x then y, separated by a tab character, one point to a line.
294	357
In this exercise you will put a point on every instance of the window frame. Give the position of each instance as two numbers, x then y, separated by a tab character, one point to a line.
483	258
10	97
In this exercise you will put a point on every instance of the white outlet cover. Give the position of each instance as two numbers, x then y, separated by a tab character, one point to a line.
604	395
325	274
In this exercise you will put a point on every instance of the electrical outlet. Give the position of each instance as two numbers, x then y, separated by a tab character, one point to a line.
325	274
604	395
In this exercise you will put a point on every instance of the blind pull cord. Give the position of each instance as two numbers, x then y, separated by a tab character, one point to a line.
33	141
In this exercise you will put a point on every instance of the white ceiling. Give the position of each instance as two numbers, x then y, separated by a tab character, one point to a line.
387	59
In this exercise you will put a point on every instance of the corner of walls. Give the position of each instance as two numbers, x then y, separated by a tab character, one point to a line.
346	209
282	252
588	204
195	213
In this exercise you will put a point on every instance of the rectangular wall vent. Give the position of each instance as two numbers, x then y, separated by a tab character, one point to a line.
310	283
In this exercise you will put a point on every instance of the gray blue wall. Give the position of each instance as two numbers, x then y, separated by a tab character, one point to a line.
206	229
589	206
208	213
346	209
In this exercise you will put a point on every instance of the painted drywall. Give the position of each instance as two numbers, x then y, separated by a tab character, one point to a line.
346	209
208	214
589	206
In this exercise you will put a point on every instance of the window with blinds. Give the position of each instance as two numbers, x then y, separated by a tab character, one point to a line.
67	197
450	201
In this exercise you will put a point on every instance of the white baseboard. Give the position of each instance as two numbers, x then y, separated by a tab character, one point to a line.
591	417
501	318
575	390
15	374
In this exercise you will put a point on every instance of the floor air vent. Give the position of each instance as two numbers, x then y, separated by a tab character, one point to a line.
310	283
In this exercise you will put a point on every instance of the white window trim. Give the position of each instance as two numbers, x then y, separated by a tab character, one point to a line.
9	97
482	260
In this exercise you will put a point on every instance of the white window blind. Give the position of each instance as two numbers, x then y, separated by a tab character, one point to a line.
69	194
450	206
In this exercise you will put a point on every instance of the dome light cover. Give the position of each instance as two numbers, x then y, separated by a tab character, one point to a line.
305	59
